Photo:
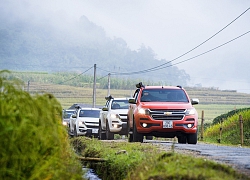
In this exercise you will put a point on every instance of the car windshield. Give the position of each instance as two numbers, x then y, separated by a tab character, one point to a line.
89	113
163	95
67	114
120	104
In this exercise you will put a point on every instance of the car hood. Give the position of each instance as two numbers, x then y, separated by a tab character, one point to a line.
166	105
66	119
89	119
119	111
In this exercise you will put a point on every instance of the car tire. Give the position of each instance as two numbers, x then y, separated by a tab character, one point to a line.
102	136
75	132
128	125
109	135
130	138
149	137
192	138
70	133
137	137
182	139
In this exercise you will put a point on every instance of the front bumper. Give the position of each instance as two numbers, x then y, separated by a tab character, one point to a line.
145	124
118	127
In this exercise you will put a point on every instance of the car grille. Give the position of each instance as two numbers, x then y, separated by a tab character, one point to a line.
167	114
123	117
92	124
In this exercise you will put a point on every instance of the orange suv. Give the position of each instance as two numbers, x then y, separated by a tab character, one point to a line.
162	111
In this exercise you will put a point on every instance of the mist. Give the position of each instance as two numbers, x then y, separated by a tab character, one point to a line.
170	28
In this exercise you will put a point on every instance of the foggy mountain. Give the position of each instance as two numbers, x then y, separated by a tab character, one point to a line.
38	40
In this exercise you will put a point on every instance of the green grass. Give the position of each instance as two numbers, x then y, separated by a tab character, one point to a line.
230	133
211	111
34	143
142	161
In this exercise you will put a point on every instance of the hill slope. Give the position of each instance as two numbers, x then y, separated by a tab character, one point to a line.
53	42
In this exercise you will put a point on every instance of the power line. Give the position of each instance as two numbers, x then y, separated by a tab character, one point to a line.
102	77
159	67
210	49
76	76
200	43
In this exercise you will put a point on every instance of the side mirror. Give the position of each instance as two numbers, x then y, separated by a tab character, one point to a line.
132	101
73	116
194	101
105	109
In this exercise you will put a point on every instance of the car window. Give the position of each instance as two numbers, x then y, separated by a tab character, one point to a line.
163	95
120	104
136	94
89	113
67	114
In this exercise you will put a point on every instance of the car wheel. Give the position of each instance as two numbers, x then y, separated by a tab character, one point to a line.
75	132
128	125
192	138
102	136
109	135
69	132
130	138
137	137
149	137
182	139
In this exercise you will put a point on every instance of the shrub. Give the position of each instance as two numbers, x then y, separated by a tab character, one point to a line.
34	143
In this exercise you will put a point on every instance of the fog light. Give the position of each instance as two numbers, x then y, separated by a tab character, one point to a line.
115	125
190	125
144	125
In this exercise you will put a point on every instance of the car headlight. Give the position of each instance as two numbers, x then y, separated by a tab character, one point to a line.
113	116
80	123
65	123
143	111
191	111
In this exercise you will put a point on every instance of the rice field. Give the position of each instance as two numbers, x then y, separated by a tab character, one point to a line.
212	102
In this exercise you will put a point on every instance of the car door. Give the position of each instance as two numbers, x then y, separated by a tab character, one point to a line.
103	114
132	108
72	121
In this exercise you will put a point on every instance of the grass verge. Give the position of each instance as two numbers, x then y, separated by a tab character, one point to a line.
228	131
139	161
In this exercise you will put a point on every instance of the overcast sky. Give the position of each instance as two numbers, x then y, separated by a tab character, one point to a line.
172	28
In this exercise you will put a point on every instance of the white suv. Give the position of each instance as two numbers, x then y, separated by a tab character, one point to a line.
84	121
113	118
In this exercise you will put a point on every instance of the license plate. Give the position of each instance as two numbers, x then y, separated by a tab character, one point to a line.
94	131
167	124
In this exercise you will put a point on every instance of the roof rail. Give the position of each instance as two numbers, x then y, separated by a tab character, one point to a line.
179	86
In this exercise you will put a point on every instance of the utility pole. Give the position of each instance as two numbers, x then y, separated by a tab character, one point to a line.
108	84
28	88
94	87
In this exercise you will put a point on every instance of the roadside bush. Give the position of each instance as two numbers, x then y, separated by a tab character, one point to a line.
230	129
34	143
218	119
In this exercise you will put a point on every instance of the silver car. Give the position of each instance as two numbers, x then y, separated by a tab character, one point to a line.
84	122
